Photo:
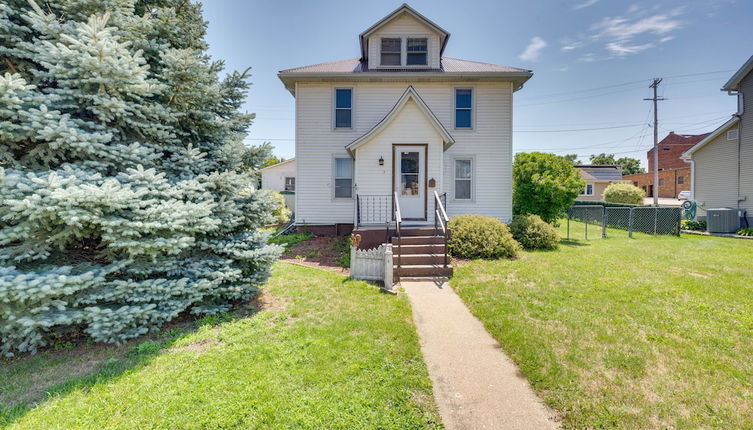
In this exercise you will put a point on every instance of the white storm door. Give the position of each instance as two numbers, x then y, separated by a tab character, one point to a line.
410	180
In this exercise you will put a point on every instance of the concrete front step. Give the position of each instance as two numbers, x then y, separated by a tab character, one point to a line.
413	270
434	248
417	240
435	279
411	259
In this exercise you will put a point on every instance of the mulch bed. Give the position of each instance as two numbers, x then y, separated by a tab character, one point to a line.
318	252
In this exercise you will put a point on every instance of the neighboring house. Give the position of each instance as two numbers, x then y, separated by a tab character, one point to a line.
281	177
597	180
722	163
674	172
402	119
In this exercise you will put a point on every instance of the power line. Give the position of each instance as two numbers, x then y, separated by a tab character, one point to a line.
576	129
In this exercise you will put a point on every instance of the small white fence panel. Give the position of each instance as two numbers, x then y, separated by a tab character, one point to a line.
372	264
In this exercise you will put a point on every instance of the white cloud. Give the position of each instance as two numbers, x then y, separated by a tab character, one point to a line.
571	45
623	29
533	50
561	69
621	49
585	4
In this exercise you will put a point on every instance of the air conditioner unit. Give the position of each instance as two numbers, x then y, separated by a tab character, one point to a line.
722	220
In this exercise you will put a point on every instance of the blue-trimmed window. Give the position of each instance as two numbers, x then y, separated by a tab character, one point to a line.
463	108
343	108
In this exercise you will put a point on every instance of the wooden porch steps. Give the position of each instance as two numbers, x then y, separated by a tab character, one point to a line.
419	254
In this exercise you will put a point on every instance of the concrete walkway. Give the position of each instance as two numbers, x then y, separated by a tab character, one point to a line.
476	385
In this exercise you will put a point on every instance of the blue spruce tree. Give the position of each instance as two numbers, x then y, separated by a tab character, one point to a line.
126	195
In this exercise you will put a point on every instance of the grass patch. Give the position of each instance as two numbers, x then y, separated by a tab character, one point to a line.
653	332
322	352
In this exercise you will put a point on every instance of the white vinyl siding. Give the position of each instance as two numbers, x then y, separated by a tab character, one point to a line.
716	174
273	178
317	144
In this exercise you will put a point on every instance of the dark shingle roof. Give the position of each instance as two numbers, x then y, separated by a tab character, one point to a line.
600	173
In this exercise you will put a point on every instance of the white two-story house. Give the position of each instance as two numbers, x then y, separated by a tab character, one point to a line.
401	120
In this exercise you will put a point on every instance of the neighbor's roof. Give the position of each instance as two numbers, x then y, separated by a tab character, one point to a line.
713	135
598	173
734	82
355	68
409	94
277	165
403	9
680	139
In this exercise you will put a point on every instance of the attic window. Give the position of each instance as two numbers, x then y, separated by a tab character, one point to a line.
417	50
732	134
391	52
666	148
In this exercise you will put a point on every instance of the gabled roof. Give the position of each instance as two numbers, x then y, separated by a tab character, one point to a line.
713	135
403	9
734	82
409	94
600	173
277	164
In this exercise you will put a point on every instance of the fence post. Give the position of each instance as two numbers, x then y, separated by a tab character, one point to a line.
388	267
631	220
604	216
568	223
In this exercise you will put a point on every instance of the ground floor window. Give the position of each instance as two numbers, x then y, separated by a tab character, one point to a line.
290	183
588	191
463	178
680	180
343	177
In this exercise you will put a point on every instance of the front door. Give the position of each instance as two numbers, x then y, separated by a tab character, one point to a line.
410	180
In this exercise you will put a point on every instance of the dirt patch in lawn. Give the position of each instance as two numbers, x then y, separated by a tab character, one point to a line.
327	253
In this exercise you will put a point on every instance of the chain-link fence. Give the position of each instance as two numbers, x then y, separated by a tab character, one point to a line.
586	222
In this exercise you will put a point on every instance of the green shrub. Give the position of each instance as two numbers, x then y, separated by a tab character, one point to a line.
688	224
281	212
544	184
476	236
622	192
533	233
747	231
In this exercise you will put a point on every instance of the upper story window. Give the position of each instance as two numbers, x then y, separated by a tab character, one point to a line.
417	50
463	107
732	134
588	191
391	52
343	108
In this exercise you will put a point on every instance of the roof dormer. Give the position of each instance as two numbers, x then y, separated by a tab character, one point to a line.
404	39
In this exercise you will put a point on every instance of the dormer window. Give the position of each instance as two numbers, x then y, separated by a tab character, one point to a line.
391	52
417	50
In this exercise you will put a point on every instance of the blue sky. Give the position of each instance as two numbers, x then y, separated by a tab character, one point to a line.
592	60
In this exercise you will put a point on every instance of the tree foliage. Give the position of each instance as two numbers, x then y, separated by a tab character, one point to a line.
544	185
126	196
630	166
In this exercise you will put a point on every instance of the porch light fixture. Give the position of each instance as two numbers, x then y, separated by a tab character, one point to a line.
381	161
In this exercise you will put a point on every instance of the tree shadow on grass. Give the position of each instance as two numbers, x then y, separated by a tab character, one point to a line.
28	381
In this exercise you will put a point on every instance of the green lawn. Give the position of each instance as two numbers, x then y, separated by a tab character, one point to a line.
325	352
653	332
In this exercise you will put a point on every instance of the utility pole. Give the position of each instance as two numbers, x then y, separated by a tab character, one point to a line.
656	99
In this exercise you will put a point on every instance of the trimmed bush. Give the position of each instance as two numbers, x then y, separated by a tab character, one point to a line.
533	233
688	224
476	236
621	192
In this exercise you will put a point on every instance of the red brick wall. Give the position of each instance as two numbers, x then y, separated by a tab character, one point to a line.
670	150
671	181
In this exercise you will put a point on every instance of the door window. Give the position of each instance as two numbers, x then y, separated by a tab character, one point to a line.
409	173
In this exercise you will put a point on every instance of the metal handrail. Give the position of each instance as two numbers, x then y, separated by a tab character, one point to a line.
398	221
440	215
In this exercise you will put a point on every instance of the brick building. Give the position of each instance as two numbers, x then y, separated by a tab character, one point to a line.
674	173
